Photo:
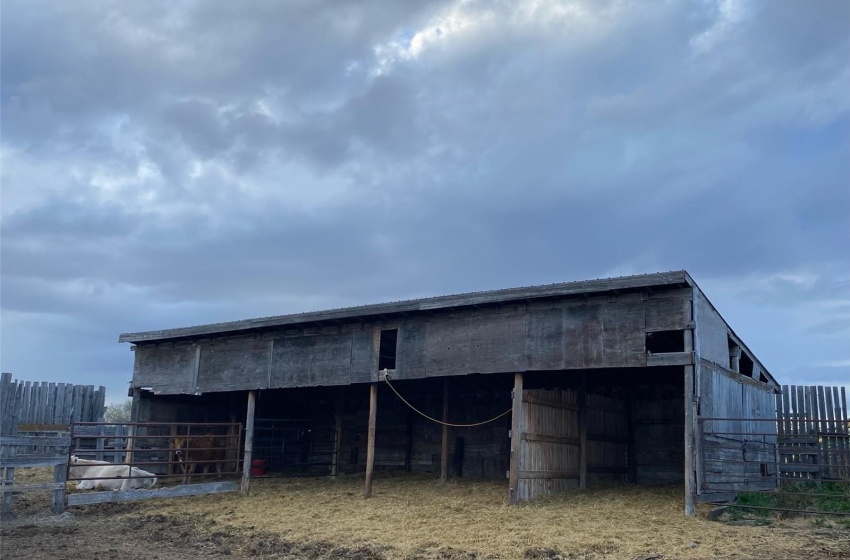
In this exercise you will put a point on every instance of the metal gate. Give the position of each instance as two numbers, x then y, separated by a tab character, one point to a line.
287	447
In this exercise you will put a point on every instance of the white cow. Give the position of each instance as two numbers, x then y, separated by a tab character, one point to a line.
100	475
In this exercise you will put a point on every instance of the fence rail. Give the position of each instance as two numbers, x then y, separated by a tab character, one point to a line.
34	451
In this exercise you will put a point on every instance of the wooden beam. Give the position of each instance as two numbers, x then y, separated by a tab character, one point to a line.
87	498
690	436
516	438
370	442
444	448
60	475
582	421
338	432
249	443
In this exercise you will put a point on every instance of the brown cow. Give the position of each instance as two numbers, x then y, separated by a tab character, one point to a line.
194	451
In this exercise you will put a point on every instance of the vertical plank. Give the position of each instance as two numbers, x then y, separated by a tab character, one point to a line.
68	411
845	427
582	426
249	442
444	447
370	442
831	429
51	404
786	408
6	394
59	405
690	431
516	437
25	409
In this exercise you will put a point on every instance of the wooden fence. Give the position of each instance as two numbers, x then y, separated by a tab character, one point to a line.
814	432
27	406
34	451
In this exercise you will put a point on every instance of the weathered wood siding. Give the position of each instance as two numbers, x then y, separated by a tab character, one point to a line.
550	445
550	448
659	421
607	438
738	432
571	333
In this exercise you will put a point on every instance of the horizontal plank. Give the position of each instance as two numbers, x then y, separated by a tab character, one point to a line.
20	488
33	461
52	441
800	468
551	403
82	499
716	497
545	438
670	359
547	475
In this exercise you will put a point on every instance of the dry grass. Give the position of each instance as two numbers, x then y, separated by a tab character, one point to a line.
418	517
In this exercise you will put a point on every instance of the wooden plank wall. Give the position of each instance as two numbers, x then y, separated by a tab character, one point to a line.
550	449
550	445
607	438
37	406
814	432
573	333
737	431
659	422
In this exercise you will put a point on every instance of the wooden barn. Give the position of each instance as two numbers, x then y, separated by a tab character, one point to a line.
549	387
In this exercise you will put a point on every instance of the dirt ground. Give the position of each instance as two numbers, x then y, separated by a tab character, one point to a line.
409	518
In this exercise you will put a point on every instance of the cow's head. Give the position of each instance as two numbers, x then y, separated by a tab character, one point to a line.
178	444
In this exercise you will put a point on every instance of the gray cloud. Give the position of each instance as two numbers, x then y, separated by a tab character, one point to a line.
170	164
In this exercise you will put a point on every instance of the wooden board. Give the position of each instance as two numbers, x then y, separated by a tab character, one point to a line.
234	365
164	370
88	498
303	361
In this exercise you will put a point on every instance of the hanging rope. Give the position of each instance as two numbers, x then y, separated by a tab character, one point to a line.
420	413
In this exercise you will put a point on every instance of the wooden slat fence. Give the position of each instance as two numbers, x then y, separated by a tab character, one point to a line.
813	427
28	406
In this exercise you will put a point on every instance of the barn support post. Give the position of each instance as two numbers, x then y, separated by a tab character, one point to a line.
131	432
338	432
582	426
516	435
249	442
444	448
690	436
370	443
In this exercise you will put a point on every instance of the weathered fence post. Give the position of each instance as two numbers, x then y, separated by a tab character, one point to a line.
249	442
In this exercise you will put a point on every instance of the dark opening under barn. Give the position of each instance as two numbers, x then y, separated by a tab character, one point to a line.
549	388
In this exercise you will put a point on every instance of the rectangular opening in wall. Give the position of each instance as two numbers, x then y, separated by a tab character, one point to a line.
661	342
734	355
746	365
387	352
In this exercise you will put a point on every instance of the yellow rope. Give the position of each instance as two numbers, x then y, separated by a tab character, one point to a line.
387	379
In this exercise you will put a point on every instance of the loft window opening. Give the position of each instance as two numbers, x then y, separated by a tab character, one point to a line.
746	364
734	355
662	342
387	351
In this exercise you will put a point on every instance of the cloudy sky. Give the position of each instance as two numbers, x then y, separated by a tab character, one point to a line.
167	164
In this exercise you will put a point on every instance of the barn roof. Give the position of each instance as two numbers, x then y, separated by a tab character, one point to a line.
424	305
